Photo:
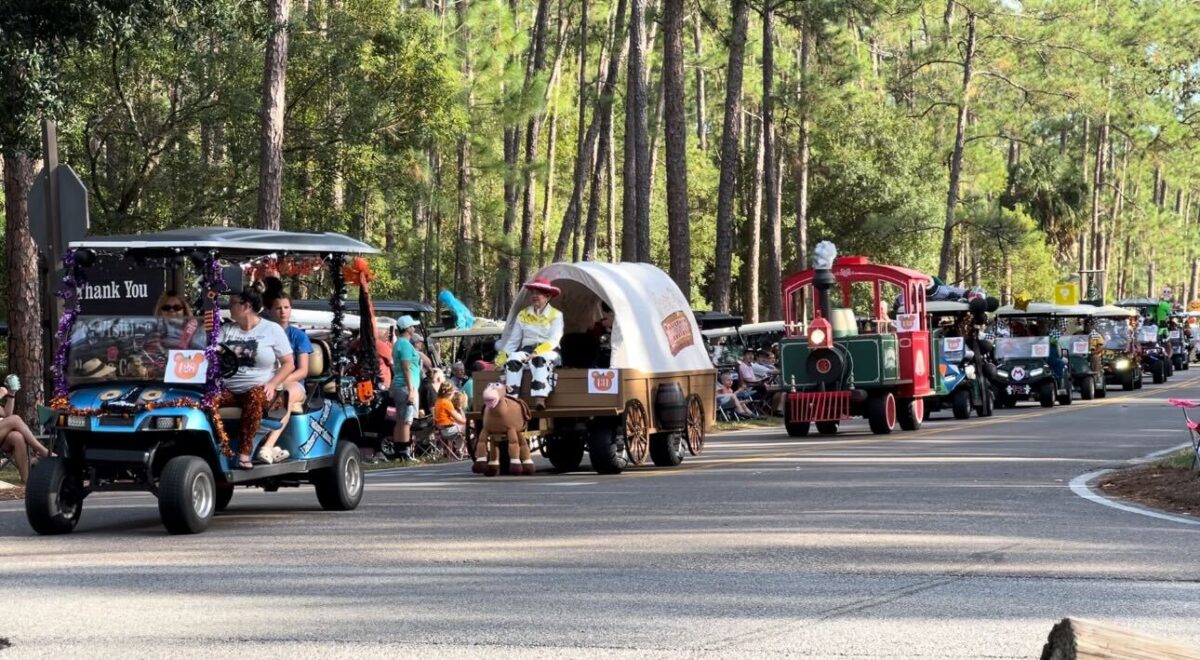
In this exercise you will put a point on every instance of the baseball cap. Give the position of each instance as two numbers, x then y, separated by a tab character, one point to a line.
405	322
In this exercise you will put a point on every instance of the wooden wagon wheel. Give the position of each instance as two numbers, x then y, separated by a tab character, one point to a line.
695	425
637	436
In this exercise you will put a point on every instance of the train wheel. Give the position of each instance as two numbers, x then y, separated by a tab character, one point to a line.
881	413
910	413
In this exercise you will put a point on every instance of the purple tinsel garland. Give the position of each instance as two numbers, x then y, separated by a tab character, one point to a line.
69	292
214	284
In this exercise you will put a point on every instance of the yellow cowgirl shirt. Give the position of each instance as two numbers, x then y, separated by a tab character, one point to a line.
542	330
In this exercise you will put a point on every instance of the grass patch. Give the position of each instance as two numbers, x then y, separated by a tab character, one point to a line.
10	474
1182	459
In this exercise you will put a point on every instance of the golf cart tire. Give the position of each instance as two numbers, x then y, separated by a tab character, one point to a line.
1101	387
1064	398
340	486
960	403
1158	372
187	495
910	413
1168	368
1087	388
564	453
881	413
987	406
44	498
1046	394
667	449
606	453
1127	381
828	428
796	429
224	496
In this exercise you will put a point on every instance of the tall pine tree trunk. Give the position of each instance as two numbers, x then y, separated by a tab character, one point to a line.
802	151
701	91
754	243
679	230
464	248
24	302
774	274
636	236
270	181
532	131
730	162
956	157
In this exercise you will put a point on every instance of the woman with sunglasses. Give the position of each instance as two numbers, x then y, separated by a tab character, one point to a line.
181	327
264	357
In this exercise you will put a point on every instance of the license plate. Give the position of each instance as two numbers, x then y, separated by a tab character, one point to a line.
1019	389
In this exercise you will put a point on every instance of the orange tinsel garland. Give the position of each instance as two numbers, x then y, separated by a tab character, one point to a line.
62	405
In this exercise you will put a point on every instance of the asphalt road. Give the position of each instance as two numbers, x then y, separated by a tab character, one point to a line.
961	540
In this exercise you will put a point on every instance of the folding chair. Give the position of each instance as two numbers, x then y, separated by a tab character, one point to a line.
1192	427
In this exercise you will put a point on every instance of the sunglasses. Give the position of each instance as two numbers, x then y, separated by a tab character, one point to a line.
171	308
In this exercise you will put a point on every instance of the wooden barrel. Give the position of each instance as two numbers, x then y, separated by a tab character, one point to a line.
670	407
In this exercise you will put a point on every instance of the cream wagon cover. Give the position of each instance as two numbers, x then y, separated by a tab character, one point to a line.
653	328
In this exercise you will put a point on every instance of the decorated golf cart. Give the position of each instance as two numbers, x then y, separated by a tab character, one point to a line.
137	393
1030	362
1120	356
879	369
642	390
1152	336
1083	347
960	380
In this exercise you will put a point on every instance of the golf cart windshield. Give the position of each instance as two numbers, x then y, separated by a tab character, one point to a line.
1015	348
1148	334
1076	344
1115	332
134	348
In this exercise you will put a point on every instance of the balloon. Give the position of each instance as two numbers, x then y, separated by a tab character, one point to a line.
463	318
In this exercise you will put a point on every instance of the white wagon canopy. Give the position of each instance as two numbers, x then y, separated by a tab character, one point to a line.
653	330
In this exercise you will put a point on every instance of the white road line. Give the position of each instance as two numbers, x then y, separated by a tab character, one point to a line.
1080	486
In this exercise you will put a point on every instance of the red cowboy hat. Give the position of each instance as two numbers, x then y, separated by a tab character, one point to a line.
542	284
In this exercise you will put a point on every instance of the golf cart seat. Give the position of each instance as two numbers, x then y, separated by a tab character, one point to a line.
318	371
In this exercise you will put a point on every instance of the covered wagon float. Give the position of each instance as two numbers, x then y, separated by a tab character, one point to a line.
633	381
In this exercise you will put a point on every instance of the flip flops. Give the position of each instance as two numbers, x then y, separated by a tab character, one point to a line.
244	462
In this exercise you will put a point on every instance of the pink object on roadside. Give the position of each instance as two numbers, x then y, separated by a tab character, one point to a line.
1184	403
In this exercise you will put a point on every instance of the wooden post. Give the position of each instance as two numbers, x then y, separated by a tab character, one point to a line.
54	247
1080	639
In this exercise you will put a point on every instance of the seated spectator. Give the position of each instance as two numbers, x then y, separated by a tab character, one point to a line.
748	377
448	420
16	440
764	367
730	399
461	381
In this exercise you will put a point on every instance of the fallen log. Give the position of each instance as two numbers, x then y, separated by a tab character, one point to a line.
1080	639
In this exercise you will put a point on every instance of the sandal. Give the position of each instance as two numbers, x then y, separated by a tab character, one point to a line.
244	462
280	454
266	455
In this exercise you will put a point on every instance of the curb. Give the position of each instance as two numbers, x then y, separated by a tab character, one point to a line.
1082	486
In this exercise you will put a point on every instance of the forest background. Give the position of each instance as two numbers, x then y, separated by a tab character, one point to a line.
1002	144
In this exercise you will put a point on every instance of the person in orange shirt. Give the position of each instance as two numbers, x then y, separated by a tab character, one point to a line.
449	421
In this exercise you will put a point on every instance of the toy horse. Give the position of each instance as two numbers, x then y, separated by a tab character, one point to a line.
504	420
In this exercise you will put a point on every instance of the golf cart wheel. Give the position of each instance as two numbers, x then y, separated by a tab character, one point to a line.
1046	394
910	413
340	486
1169	367
606	448
565	453
1087	388
1101	387
1064	397
828	428
1127	381
1158	372
187	495
224	496
987	402
696	422
666	449
796	429
52	498
637	435
960	403
881	413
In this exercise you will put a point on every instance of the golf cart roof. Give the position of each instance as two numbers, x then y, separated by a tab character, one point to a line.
1112	311
1032	310
389	307
717	320
230	241
749	329
946	307
482	328
1138	302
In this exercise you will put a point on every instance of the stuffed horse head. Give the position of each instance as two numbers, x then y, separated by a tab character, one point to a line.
494	394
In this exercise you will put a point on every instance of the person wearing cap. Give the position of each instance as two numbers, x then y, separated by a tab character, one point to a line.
533	343
406	384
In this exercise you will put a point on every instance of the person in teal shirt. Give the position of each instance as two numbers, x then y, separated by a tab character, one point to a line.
405	385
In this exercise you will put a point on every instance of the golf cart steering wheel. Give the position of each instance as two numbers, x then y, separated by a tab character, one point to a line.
227	361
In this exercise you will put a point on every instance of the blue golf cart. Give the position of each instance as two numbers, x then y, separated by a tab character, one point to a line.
136	393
